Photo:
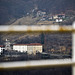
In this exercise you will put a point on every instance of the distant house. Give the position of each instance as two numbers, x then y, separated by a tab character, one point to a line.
50	18
59	20
20	47
55	16
1	48
32	48
58	17
41	14
61	16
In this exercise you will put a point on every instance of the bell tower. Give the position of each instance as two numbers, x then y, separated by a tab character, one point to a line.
7	45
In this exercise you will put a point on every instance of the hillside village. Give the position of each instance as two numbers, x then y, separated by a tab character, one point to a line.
12	11
38	17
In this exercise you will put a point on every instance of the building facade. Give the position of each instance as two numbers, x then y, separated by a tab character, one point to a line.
1	48
20	47
32	48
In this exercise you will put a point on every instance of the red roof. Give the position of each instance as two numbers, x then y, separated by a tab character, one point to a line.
20	44
34	44
1	45
61	14
29	44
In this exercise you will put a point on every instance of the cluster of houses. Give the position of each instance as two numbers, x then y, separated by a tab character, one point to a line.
44	17
31	48
57	18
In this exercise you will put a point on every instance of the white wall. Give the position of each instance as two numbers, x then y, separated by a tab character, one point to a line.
0	50
30	49
21	48
34	48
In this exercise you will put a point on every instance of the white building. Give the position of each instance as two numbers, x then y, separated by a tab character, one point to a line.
41	14
20	47
55	16
32	48
60	16
59	20
1	48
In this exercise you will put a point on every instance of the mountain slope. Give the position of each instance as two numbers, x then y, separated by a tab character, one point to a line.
10	10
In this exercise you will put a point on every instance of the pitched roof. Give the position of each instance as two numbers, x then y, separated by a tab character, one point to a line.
34	44
20	44
29	44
